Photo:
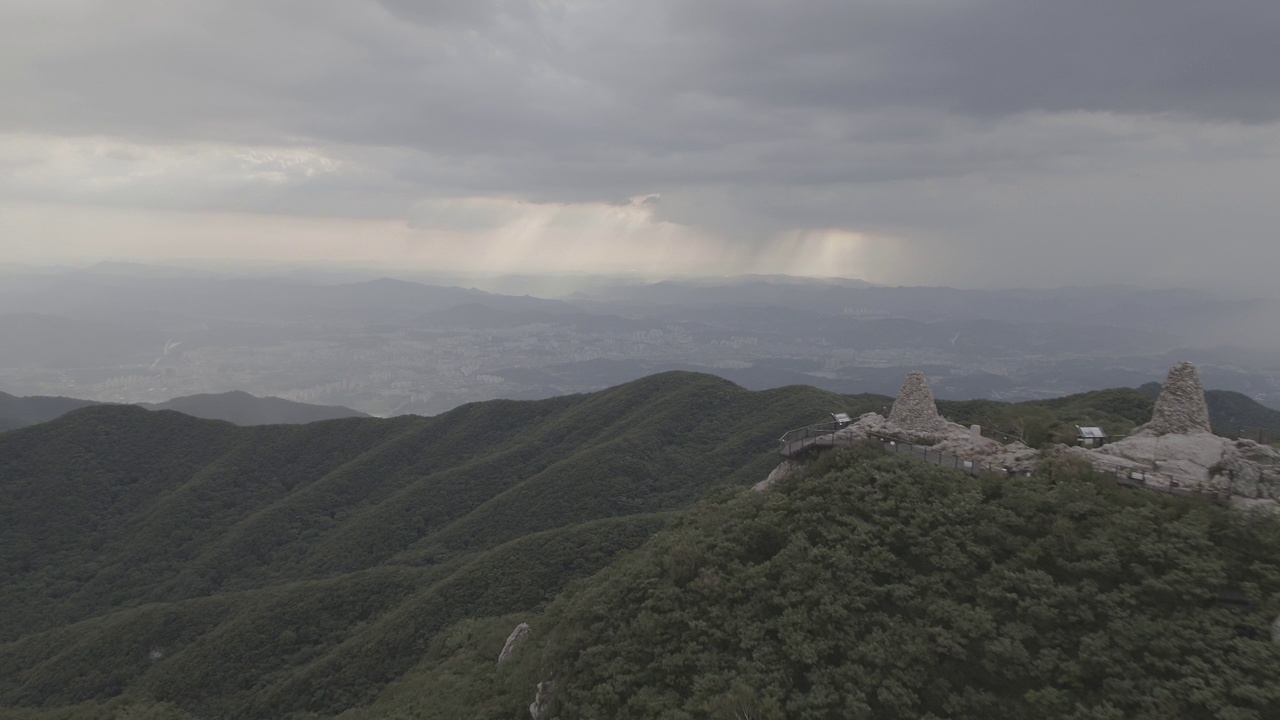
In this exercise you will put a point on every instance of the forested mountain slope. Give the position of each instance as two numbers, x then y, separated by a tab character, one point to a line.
265	571
154	566
877	587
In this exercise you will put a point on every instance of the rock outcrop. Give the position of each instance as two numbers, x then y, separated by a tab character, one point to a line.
1195	459
1180	407
1178	450
514	641
950	438
778	473
1014	457
1175	450
541	704
915	419
915	410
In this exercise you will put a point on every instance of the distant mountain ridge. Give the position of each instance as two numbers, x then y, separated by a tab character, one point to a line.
241	408
236	407
37	408
1229	411
121	331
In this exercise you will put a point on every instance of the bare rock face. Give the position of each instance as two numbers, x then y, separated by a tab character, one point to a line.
1248	471
1015	457
1181	408
787	467
944	436
915	410
1177	449
514	641
541	704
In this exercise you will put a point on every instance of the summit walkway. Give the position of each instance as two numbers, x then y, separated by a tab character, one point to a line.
823	436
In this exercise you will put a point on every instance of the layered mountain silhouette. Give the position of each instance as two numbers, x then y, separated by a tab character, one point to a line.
236	407
20	411
241	408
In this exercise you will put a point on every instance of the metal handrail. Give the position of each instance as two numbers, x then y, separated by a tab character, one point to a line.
808	431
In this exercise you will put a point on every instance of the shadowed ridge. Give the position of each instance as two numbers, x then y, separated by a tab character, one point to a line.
242	408
38	409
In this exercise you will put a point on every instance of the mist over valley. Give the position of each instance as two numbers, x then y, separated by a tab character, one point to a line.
387	347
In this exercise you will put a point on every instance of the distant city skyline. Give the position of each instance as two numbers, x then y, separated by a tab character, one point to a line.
973	143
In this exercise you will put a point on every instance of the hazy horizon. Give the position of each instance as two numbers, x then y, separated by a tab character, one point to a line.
337	272
337	336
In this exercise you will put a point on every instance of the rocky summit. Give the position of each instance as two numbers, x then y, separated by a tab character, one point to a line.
1178	449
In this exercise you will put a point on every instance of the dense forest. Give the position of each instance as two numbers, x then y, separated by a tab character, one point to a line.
277	570
153	565
871	586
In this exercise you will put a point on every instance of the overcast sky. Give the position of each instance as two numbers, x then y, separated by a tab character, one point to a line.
958	142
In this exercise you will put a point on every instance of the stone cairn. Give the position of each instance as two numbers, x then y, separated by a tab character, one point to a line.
1181	408
914	410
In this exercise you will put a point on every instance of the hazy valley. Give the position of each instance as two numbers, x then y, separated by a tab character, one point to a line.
389	347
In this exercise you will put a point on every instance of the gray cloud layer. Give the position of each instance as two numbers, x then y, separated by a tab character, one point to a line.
965	126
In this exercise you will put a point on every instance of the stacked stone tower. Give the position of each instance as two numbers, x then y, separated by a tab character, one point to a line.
915	410
1181	408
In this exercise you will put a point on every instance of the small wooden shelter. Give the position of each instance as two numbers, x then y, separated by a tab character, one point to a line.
1091	436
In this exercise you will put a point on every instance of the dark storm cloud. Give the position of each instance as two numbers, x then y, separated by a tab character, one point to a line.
664	77
749	116
996	57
